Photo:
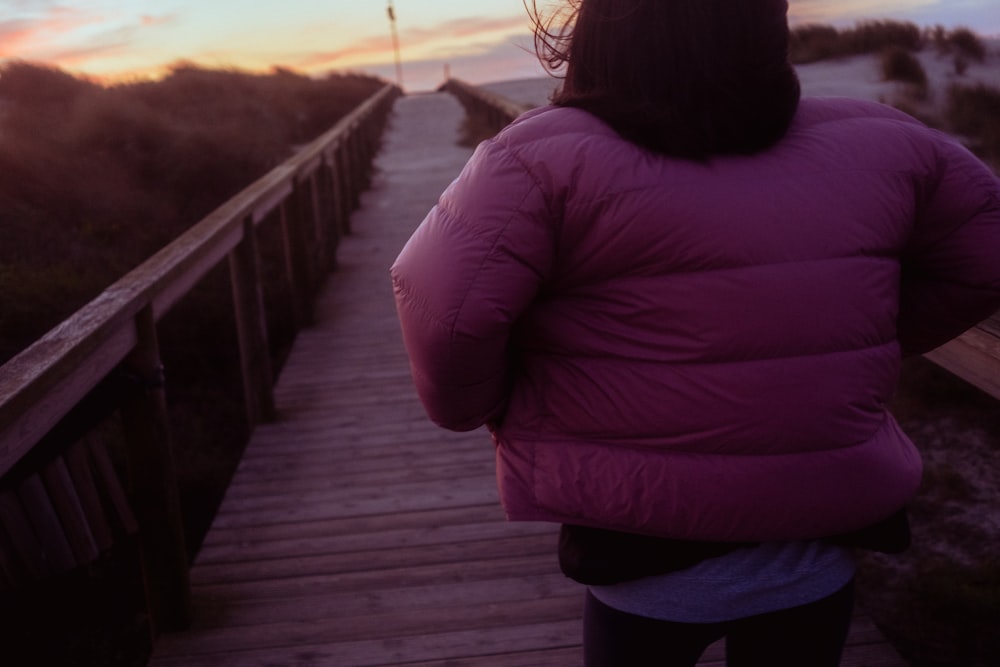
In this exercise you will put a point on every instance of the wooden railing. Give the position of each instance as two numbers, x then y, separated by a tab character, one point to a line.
311	196
974	356
496	110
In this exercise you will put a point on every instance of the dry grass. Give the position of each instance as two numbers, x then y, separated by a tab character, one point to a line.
101	178
811	43
901	65
939	602
974	112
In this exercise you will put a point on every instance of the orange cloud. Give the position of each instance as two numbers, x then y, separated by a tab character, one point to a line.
450	36
25	38
50	36
370	47
12	35
147	20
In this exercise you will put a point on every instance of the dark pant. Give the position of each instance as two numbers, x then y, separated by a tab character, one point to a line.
811	635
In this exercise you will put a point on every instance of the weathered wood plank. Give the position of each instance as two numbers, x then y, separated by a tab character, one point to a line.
974	356
297	506
409	621
255	477
408	600
254	549
356	525
462	644
294	565
364	582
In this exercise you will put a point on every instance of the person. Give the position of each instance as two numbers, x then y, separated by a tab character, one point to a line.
679	297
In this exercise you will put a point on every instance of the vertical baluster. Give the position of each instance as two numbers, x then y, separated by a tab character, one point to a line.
251	327
296	257
153	482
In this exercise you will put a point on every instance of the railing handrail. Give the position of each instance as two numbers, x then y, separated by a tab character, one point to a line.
497	109
974	356
41	384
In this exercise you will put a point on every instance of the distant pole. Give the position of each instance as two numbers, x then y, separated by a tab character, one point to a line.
395	45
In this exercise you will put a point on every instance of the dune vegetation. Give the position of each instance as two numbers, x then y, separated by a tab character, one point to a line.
971	110
97	178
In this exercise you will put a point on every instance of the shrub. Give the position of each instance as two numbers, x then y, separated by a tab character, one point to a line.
961	42
875	36
810	43
103	177
961	65
974	111
39	85
898	64
967	43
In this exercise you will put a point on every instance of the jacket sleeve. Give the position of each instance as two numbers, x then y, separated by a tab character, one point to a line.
462	280
951	267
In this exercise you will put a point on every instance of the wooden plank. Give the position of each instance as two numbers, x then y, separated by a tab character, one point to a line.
55	548
478	617
426	520
348	475
11	572
543	658
407	600
975	357
253	549
27	553
69	509
462	644
293	565
111	485
351	471
344	439
358	502
363	582
78	464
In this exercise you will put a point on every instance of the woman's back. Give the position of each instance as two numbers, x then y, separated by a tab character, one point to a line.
686	322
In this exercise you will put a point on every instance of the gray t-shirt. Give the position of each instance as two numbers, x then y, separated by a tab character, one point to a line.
746	582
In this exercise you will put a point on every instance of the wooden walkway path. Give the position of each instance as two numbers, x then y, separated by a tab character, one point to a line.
354	531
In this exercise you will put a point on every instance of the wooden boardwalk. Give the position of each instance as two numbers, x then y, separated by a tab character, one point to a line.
354	531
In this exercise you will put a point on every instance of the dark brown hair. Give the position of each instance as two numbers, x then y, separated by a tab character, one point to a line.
688	78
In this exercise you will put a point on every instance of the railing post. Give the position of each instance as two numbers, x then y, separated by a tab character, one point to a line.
153	481
251	327
296	257
344	196
357	167
330	213
311	208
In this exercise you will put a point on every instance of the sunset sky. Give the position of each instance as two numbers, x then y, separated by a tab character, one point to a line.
480	40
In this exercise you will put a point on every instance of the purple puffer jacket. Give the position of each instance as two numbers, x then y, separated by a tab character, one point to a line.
698	351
